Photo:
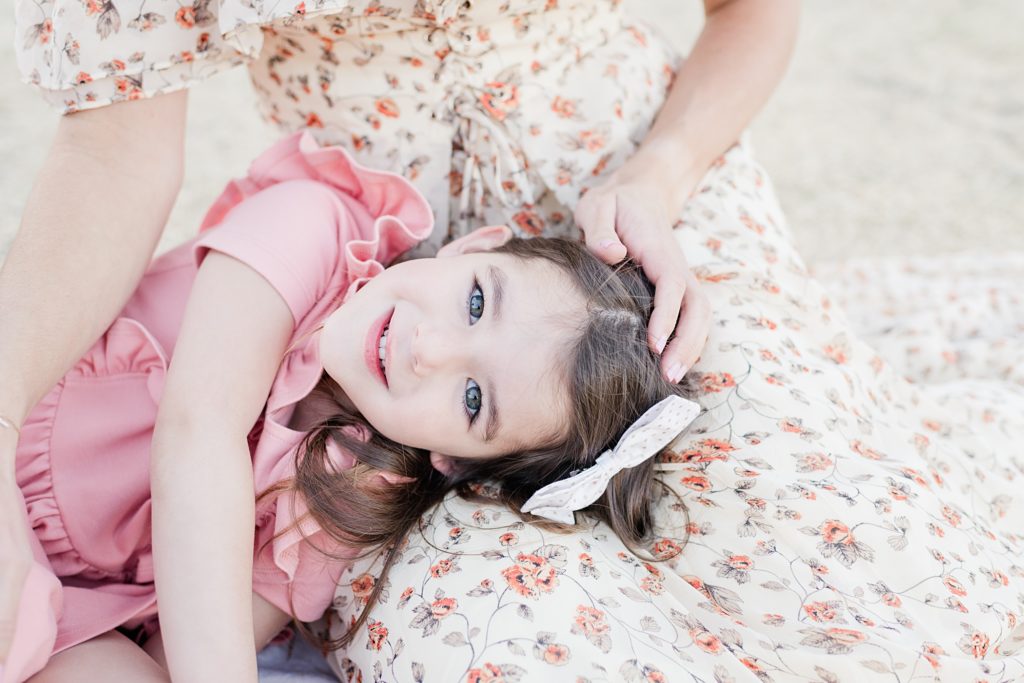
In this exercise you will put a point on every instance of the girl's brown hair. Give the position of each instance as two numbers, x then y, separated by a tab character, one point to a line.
611	378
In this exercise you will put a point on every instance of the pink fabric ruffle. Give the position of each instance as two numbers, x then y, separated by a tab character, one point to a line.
396	216
400	214
126	349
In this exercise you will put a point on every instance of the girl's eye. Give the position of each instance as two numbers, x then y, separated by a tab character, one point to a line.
473	398
476	303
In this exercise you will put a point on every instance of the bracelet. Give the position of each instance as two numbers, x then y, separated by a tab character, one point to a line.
7	424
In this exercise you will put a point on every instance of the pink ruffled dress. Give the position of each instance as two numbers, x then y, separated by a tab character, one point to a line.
316	225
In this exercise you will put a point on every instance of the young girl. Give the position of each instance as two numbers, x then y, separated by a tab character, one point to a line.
517	362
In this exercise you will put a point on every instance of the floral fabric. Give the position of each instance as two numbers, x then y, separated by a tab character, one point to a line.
847	517
489	108
849	490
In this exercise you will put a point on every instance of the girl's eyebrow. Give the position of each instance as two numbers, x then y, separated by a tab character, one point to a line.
497	281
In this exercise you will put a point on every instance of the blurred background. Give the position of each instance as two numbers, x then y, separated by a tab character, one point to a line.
898	129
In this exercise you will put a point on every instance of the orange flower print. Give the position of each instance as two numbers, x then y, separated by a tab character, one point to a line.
93	7
529	221
752	224
378	635
860	449
601	165
442	567
932	652
954	586
951	515
736	567
531	576
665	548
846	635
405	596
706	641
705	451
186	16
838	541
592	140
313	121
773	620
891	599
508	539
791	425
834	531
639	37
974	644
814	462
563	107
836	354
443	607
489	673
82	78
713	382
499	99
821	611
387	107
590	623
697	482
300	9
43	32
555	654
362	586
652	585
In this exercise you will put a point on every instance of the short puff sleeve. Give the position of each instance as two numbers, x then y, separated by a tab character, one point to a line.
314	223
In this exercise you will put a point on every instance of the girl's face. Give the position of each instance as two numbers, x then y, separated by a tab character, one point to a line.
473	347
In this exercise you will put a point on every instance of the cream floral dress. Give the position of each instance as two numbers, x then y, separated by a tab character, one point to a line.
851	505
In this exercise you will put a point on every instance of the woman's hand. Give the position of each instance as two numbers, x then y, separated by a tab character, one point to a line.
15	552
633	215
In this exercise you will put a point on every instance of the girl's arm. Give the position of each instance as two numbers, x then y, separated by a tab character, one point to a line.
735	65
268	621
233	336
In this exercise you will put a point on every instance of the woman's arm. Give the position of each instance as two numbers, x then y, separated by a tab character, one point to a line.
93	218
232	339
735	65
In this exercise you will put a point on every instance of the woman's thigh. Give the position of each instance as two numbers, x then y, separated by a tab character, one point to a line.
108	657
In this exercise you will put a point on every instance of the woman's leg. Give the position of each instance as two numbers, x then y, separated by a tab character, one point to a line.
109	657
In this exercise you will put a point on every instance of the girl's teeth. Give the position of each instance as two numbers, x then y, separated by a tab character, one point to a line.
382	347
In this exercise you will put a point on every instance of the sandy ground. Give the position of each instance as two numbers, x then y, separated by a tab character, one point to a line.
899	128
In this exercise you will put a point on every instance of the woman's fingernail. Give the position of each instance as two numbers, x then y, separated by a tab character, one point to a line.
604	244
675	371
660	343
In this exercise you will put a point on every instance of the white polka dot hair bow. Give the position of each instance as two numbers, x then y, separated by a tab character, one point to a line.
644	439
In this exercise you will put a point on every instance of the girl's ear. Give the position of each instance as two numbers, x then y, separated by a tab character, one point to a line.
481	239
441	463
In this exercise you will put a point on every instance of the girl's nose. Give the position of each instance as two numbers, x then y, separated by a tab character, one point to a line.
433	348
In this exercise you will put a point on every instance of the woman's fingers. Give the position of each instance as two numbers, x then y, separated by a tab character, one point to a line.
691	333
596	217
669	290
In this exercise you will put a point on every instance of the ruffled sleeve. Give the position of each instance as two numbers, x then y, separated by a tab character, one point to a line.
313	222
83	54
290	570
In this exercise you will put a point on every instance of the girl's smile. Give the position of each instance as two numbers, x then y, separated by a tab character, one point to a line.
461	354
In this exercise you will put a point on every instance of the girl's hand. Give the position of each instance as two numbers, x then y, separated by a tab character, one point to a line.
631	216
15	552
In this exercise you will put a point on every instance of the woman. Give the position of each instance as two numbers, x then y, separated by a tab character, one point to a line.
95	249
